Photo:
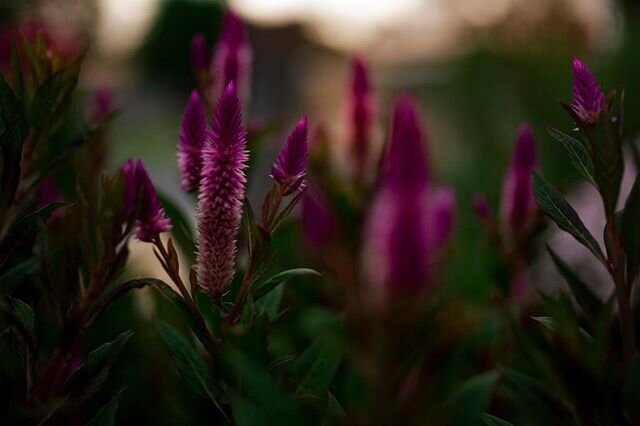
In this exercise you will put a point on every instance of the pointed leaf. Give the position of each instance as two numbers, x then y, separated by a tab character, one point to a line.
471	400
315	369
106	415
556	207
578	154
490	420
630	225
279	278
182	229
590	303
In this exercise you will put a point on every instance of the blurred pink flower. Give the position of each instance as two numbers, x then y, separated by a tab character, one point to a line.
193	132
289	168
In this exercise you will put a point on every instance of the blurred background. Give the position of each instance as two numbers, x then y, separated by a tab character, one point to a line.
479	68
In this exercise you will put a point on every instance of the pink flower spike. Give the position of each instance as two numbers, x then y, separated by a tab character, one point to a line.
222	193
151	220
405	164
518	208
588	98
101	105
128	171
232	57
443	203
199	53
361	105
289	168
193	132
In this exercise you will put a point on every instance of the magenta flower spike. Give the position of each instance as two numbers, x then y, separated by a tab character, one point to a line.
443	203
151	220
588	98
518	208
232	57
361	105
397	234
101	105
193	132
317	221
289	168
222	193
199	54
128	171
405	164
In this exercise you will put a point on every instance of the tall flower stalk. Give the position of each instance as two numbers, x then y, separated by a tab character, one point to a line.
222	193
193	133
360	113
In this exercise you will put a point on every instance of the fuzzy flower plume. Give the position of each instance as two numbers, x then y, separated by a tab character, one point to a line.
140	197
222	192
199	53
518	207
232	57
289	168
442	203
193	132
360	110
588	98
397	240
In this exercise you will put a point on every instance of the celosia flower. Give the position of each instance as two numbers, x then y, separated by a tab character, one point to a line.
199	53
518	208
289	168
442	203
397	240
588	98
101	105
317	221
232	57
222	192
193	132
130	188
405	164
360	109
151	219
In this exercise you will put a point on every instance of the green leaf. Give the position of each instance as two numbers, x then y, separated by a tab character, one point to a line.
24	231
279	278
590	303
188	361
106	415
556	207
578	154
335	414
246	413
630	224
22	318
471	400
269	305
92	373
14	125
545	400
182	229
490	420
315	369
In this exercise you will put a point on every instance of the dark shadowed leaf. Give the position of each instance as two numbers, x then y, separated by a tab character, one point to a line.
314	370
93	372
188	361
630	224
246	413
608	166
472	399
556	207
590	303
578	154
107	414
490	420
279	278
335	414
631	390
182	229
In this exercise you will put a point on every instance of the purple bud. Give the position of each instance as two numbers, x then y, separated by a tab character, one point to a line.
443	203
289	168
317	221
151	220
405	164
518	207
397	245
232	57
588	98
222	193
481	206
101	105
193	132
361	105
199	53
